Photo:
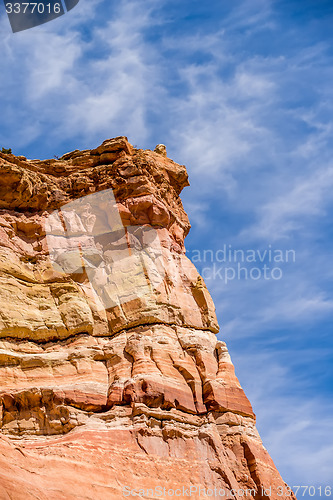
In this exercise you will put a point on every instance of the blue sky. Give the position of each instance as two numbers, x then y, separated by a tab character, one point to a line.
241	93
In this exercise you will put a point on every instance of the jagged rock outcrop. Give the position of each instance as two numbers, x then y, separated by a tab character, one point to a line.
111	375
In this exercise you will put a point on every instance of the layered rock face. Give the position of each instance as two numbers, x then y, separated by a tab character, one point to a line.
112	380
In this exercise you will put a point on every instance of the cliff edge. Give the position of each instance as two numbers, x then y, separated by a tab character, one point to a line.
112	381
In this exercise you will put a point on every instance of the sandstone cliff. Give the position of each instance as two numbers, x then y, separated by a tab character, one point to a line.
111	375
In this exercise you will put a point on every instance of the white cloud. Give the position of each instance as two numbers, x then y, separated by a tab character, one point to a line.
294	426
60	83
290	211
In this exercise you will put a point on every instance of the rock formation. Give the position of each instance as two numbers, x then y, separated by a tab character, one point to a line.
112	380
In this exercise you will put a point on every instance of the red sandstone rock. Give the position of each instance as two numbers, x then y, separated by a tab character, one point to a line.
111	375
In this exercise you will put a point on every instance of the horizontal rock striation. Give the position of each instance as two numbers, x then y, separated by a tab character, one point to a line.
111	375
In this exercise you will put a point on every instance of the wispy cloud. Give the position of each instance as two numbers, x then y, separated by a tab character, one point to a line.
286	415
292	210
101	84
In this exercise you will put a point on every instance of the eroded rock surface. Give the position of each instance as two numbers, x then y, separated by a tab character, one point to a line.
111	375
